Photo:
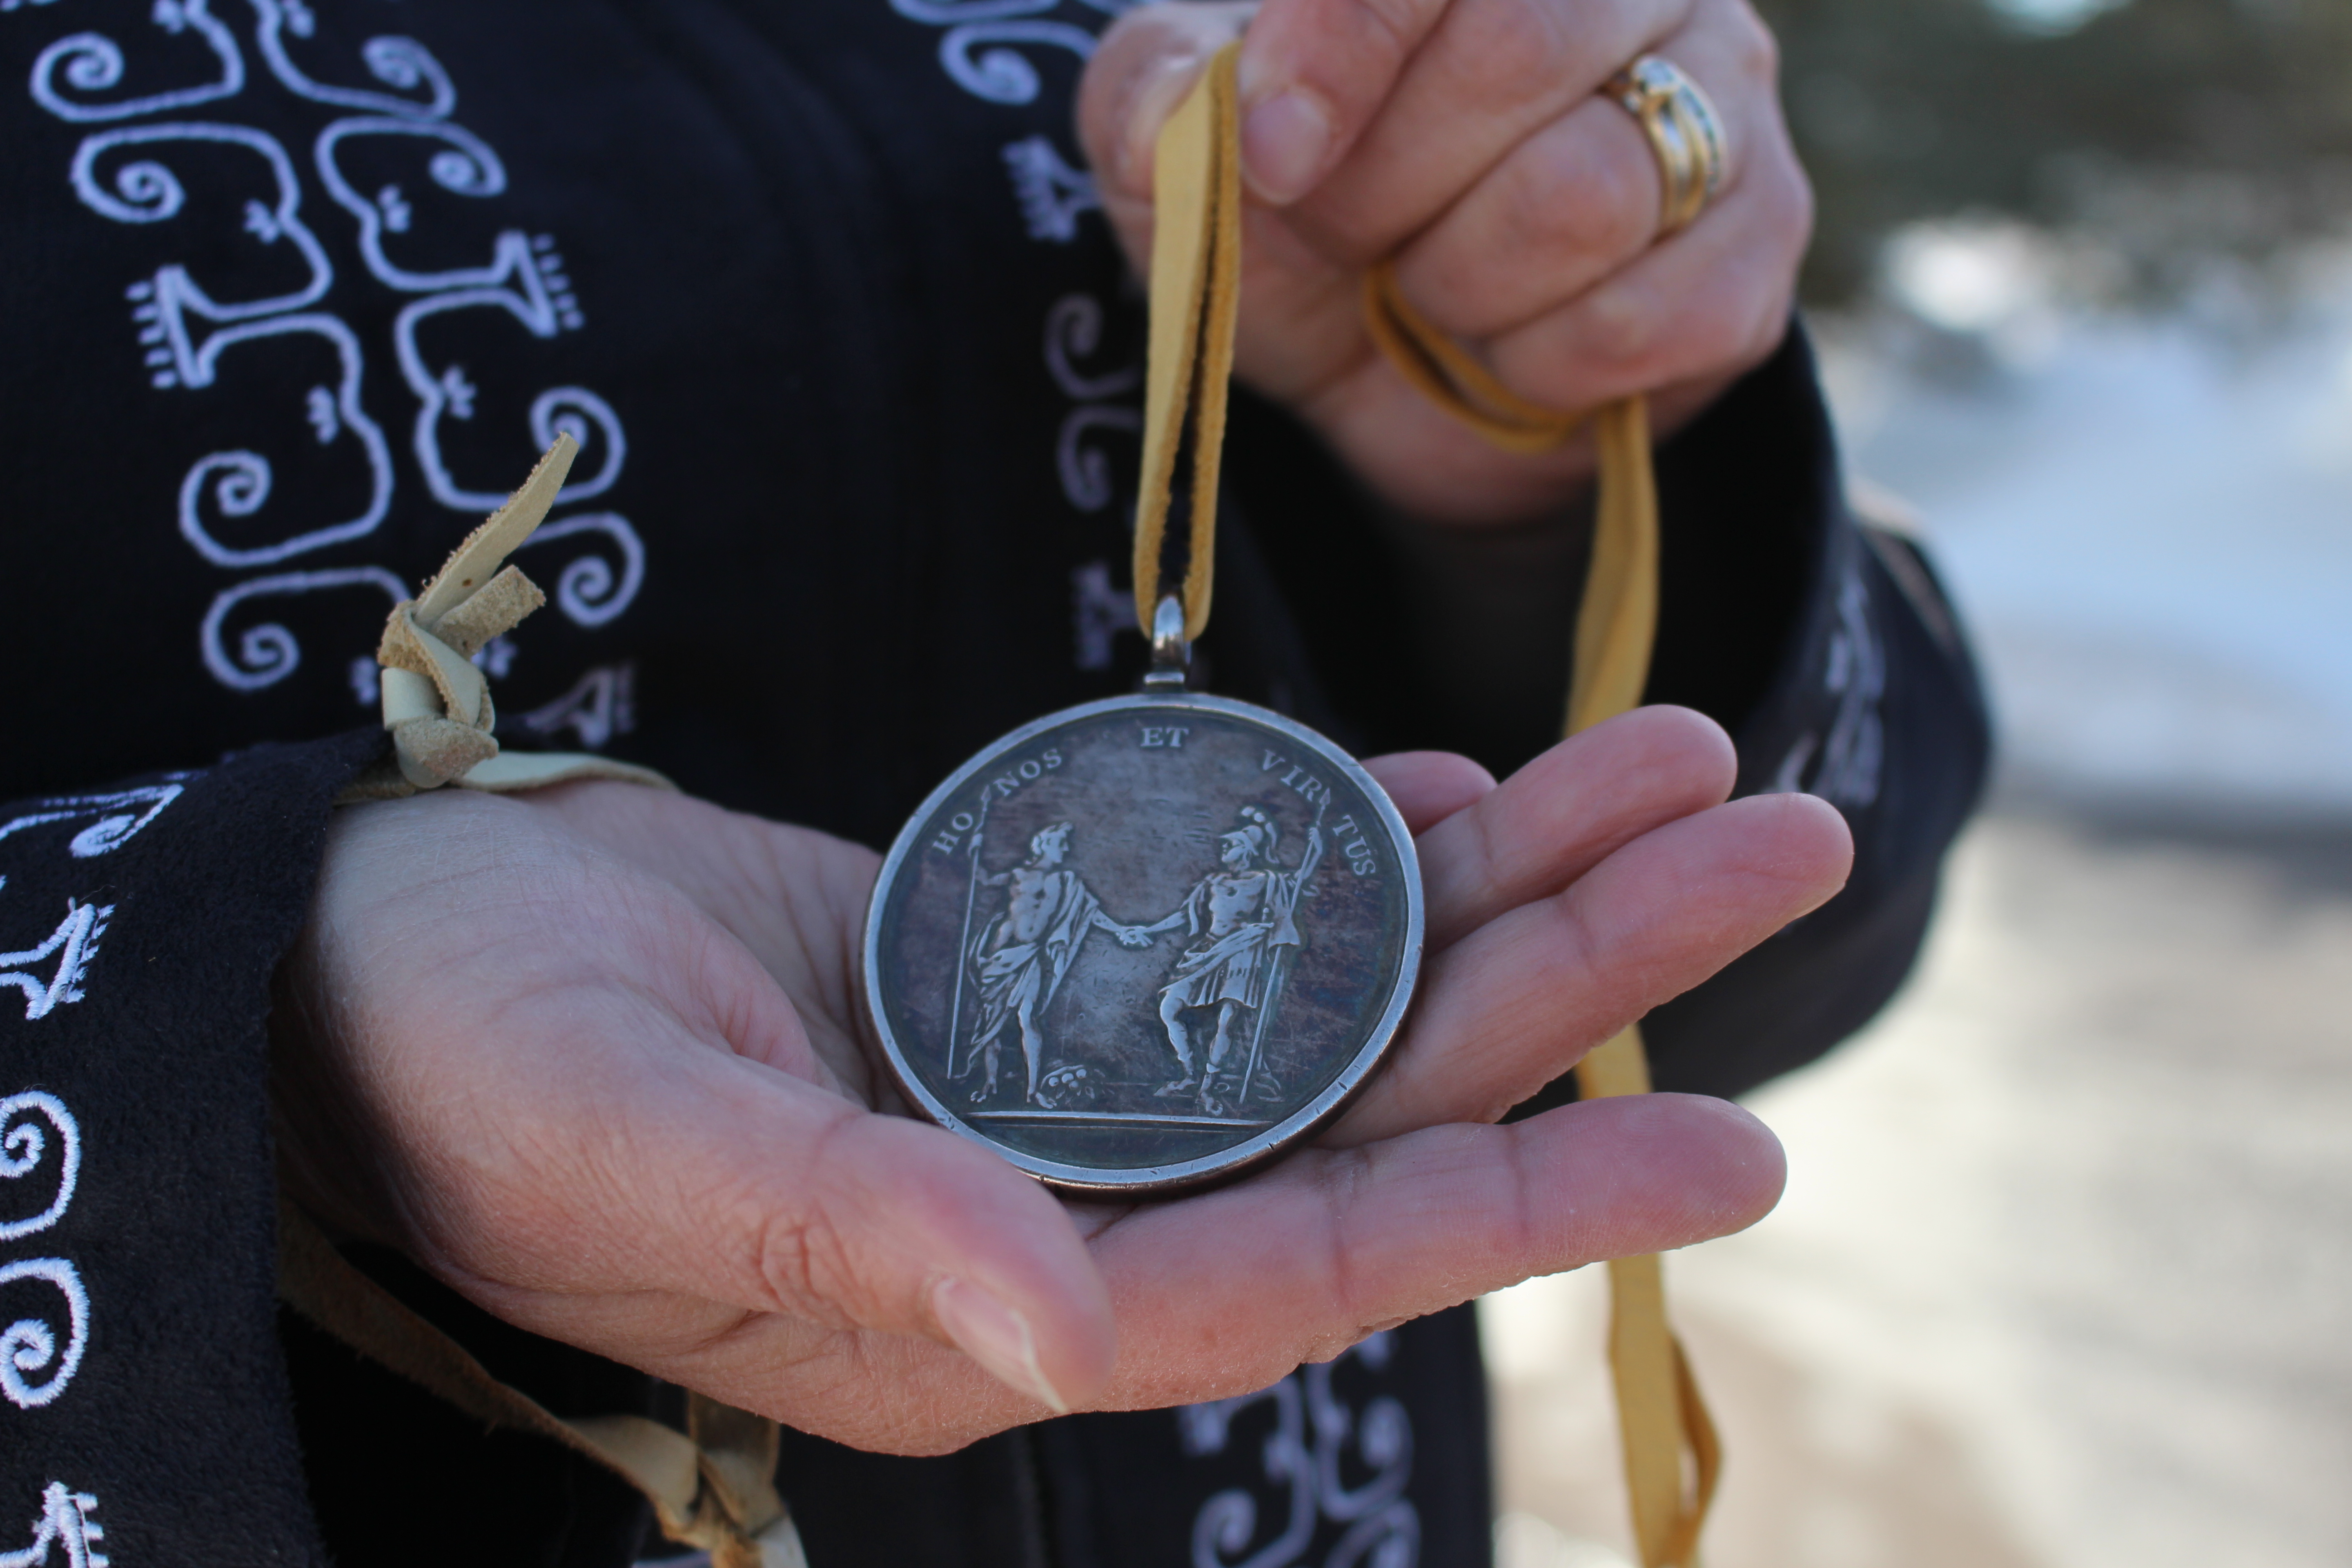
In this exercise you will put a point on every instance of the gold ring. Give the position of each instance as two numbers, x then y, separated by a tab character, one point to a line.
1685	132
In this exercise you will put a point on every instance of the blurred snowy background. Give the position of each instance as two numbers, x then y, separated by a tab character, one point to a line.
2064	1279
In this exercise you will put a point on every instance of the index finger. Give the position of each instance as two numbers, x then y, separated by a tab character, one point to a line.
1225	1293
1561	814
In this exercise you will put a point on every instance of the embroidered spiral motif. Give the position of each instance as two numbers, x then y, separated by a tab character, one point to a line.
29	1345
396	62
29	1123
587	590
93	62
404	63
268	653
144	191
388	85
103	834
1307	1454
24	1150
576	412
1074	331
974	51
240	487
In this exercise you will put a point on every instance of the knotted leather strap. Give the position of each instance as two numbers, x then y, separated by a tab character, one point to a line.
436	702
1672	1454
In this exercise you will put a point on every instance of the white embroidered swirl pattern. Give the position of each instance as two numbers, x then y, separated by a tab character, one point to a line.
24	1150
29	1345
1305	1456
228	512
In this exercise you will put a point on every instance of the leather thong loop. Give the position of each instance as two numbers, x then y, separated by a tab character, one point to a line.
1196	246
1448	375
436	699
1672	1454
711	1486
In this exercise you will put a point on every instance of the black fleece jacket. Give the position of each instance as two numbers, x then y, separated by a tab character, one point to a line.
294	292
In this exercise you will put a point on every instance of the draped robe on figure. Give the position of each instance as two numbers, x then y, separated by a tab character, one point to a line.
1031	972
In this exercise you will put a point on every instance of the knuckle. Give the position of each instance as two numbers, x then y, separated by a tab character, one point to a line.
1794	208
1565	201
1524	49
1535	220
1579	953
1722	331
807	1260
1771	326
786	1253
1622	330
1345	1182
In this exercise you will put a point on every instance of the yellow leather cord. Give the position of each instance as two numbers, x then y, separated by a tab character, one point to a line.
1196	261
1672	1455
1443	372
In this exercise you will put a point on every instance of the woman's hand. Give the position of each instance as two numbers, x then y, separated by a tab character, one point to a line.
1466	139
596	1057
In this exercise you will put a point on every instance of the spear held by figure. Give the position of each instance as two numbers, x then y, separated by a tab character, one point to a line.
1276	968
964	943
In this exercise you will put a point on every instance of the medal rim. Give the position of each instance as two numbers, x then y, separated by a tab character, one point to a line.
1145	1181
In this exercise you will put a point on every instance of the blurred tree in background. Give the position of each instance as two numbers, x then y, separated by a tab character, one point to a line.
2170	141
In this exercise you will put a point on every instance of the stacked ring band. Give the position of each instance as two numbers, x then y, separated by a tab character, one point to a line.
1683	131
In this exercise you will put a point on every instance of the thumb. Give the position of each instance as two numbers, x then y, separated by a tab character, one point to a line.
822	1211
1145	63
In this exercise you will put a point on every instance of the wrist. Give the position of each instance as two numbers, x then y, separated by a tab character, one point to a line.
322	1138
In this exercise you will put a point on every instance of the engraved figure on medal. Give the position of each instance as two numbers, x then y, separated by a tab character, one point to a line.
1260	911
1241	919
1023	954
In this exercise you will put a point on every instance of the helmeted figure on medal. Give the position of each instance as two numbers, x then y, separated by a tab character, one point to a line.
1242	921
1021	957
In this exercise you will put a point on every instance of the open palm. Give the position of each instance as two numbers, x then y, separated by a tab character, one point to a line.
595	1056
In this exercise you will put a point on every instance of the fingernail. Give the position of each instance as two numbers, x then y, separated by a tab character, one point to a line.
997	1337
1283	141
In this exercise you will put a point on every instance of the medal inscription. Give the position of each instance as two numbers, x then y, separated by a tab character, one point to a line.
1145	941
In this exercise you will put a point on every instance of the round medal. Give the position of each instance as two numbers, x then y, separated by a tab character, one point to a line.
1145	943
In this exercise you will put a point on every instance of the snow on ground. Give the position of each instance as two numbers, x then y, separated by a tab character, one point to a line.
2150	530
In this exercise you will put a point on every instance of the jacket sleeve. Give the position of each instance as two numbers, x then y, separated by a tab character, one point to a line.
1845	676
146	1417
161	1408
1823	646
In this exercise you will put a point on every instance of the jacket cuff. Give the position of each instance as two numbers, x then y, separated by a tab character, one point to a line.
143	1405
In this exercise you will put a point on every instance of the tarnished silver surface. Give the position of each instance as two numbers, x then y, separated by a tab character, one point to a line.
1142	944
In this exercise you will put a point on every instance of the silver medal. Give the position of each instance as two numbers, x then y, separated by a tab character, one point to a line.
1149	943
1145	944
